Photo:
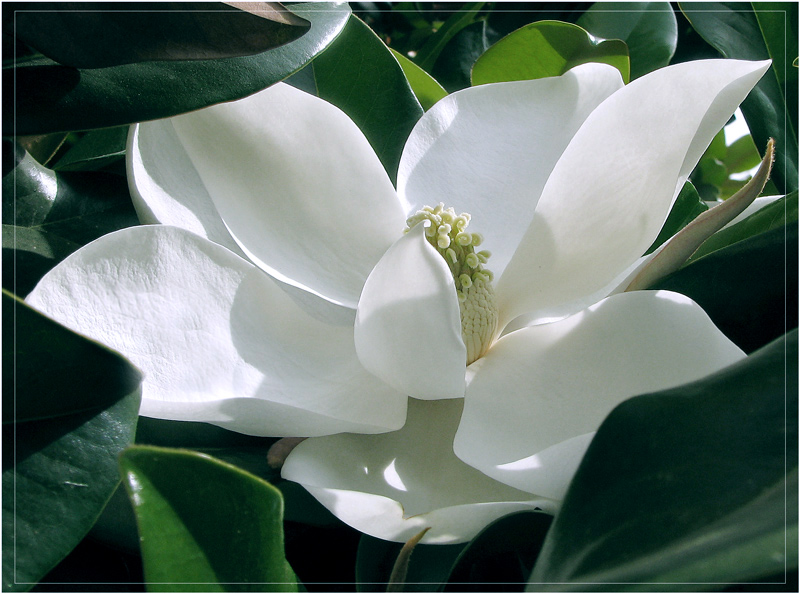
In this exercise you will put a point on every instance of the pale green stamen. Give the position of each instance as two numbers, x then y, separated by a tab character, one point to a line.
447	233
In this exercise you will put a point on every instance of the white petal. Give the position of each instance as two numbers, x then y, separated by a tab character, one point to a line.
408	323
612	189
165	187
217	340
394	485
488	150
298	186
541	390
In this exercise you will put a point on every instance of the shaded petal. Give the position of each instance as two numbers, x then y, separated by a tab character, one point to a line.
408	323
541	390
217	340
298	186
488	150
165	187
394	485
613	187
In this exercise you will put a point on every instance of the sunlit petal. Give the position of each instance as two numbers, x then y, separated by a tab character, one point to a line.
541	388
217	340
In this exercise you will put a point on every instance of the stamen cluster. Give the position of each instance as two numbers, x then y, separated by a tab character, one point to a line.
448	233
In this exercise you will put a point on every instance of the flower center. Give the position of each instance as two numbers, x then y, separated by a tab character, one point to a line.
448	234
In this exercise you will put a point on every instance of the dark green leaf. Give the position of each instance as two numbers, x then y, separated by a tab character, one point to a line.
687	206
502	555
749	289
59	457
77	206
427	570
41	385
733	29
95	150
429	53
687	488
649	29
778	24
205	524
28	254
56	98
98	35
425	87
781	212
359	74
546	48
453	68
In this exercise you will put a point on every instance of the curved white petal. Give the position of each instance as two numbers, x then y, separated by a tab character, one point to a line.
217	340
394	485
298	186
165	187
408	323
612	189
488	150
542	389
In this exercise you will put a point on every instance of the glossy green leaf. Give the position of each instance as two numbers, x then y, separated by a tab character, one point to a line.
77	206
732	28
649	29
95	150
83	35
777	214
502	555
546	48
687	206
59	455
54	98
427	569
205	525
453	68
742	155
429	52
28	254
686	489
359	74
427	90
778	24
748	289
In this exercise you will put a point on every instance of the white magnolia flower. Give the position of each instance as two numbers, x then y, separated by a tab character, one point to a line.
568	180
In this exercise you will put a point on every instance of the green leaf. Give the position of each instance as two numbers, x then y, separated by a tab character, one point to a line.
118	34
546	48
205	524
77	206
503	553
688	205
429	52
742	155
56	98
777	214
649	29
53	214
428	567
425	87
690	487
748	289
732	28
359	74
778	23
28	254
95	150
453	68
59	457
